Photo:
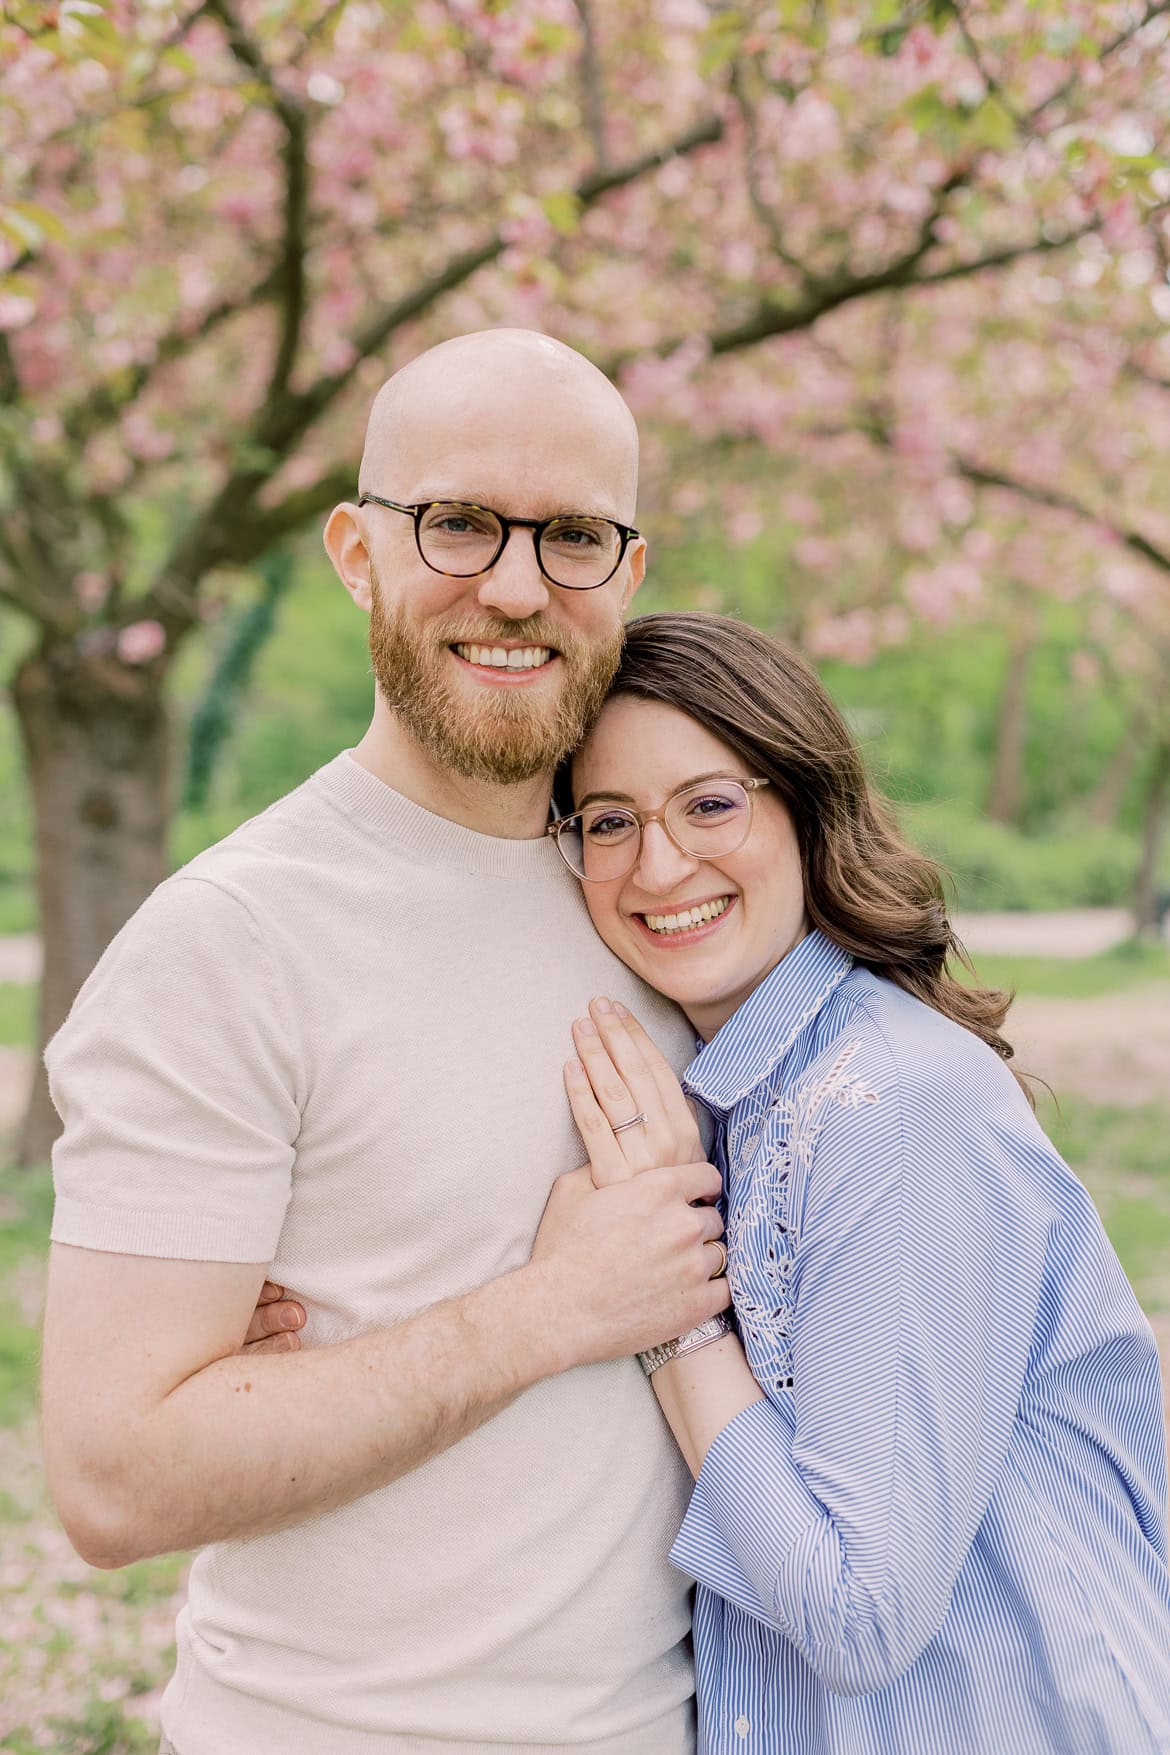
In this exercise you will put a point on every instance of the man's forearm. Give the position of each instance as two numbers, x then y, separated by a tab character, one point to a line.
249	1445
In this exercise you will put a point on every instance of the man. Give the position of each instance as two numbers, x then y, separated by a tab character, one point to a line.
329	1049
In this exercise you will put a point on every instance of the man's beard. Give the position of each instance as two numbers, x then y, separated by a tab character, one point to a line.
508	735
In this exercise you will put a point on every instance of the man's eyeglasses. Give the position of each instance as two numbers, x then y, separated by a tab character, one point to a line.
576	552
705	820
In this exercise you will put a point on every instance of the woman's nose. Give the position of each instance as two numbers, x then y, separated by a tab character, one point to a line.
661	864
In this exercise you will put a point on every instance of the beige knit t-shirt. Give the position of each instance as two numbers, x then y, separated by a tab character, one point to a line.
334	1042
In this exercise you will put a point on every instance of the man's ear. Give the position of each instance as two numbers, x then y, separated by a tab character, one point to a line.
345	544
635	569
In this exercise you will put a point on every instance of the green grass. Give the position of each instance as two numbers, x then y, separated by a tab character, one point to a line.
18	1013
1126	966
1123	1157
26	1205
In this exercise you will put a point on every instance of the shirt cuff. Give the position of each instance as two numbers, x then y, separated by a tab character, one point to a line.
751	1518
170	1236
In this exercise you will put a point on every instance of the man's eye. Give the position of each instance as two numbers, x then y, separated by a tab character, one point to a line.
573	536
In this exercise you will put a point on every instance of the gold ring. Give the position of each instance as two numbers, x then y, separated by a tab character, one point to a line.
722	1268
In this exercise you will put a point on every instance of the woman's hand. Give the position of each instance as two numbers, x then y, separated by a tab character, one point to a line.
274	1323
620	1074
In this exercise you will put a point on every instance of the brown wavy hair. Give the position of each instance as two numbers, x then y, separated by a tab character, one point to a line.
865	888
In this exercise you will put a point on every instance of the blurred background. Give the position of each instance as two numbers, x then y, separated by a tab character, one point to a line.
886	285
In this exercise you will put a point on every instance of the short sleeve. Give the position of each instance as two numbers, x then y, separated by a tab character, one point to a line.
176	1080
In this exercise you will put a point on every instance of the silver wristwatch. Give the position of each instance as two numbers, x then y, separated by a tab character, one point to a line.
713	1329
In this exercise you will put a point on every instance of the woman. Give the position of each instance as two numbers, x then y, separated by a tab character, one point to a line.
930	1506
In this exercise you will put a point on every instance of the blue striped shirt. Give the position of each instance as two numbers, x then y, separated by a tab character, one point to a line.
943	1532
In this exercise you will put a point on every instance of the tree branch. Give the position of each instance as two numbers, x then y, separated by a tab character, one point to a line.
593	83
1058	501
288	276
765	216
105	401
295	510
1154	9
9	377
229	528
823	295
282	428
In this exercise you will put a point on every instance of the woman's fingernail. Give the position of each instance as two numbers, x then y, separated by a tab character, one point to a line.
586	1026
290	1318
620	1009
603	1004
574	1067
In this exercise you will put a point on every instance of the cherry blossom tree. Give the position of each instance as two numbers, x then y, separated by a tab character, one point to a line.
907	259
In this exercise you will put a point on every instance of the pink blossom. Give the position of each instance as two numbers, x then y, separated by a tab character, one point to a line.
141	642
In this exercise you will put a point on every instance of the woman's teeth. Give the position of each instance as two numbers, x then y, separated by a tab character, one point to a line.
688	917
518	658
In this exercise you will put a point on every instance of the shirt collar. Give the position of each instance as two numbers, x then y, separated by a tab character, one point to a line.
753	1041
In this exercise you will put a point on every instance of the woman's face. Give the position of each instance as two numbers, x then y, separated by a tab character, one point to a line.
638	754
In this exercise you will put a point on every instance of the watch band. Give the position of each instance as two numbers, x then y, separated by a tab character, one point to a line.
713	1329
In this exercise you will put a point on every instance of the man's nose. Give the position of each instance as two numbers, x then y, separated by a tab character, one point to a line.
515	587
661	865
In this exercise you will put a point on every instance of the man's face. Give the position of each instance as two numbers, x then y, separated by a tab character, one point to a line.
484	722
435	640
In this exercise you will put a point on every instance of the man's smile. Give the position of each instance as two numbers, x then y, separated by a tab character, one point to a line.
505	663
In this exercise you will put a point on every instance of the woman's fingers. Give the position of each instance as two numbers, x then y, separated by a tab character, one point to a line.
673	1099
615	1086
275	1315
606	1158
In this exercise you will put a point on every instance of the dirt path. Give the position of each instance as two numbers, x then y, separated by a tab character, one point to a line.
1112	1049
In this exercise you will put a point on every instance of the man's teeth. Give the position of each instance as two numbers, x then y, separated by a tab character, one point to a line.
519	658
688	917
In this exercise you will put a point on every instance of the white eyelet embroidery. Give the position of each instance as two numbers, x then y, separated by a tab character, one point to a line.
767	1138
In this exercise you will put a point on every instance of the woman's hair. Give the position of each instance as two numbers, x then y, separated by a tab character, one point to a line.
864	887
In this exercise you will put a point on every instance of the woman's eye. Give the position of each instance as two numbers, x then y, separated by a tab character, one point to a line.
607	828
710	806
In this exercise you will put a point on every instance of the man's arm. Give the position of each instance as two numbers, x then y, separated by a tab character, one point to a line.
160	1435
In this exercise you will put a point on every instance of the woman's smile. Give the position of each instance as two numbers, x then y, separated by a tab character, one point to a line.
684	923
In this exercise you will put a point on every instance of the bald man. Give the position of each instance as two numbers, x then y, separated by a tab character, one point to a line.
328	1052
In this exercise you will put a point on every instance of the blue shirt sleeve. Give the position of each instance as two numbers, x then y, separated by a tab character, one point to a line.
841	1512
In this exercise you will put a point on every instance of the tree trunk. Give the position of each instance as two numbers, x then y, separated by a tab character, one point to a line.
1005	794
1147	901
95	739
1105	803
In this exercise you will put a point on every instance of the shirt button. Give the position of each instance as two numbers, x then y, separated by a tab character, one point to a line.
742	1726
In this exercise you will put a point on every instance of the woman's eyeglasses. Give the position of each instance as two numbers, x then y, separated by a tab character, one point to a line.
705	820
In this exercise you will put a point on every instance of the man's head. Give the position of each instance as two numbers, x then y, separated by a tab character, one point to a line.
520	424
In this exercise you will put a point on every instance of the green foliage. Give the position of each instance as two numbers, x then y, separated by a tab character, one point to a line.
216	713
994	867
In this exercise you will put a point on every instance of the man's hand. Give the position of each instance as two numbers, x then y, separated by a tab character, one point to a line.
274	1323
630	1263
622	1073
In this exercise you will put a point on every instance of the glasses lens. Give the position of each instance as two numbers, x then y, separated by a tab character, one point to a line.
457	539
599	843
580	553
710	818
